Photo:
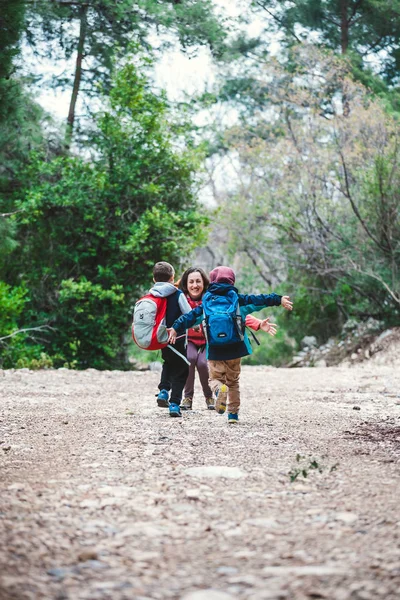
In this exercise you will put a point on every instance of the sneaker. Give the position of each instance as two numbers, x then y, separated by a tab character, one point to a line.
186	404
210	403
233	418
220	399
163	398
174	410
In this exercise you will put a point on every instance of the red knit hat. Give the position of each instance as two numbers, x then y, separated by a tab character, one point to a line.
222	275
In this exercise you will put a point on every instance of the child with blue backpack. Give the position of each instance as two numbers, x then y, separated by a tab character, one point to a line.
223	313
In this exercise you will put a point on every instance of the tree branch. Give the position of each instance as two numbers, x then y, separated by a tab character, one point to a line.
353	205
40	328
11	213
357	268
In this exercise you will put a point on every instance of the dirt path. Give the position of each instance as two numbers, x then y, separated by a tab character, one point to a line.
103	496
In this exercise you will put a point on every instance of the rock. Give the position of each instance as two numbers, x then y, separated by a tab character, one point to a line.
306	570
87	555
321	363
193	494
262	522
60	572
155	366
209	594
346	517
215	472
309	341
227	570
350	325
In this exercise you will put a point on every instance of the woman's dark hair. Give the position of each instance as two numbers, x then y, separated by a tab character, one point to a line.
184	278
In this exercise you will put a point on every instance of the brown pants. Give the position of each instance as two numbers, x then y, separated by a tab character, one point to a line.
228	372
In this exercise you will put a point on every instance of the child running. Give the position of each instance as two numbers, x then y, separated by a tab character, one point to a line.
175	368
224	360
194	283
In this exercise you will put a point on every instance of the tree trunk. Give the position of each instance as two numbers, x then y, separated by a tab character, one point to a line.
344	26
78	77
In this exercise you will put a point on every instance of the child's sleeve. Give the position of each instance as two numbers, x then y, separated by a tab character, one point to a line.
253	322
183	303
192	318
259	301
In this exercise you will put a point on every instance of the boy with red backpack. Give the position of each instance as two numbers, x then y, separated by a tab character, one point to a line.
153	313
223	313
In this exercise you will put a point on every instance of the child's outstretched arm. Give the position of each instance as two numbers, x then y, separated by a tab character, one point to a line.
264	325
194	317
268	327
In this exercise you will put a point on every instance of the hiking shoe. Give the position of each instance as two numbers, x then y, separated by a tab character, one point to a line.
174	410
163	398
210	403
233	418
186	404
220	399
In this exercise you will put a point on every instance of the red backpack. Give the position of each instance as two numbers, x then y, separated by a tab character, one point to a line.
149	330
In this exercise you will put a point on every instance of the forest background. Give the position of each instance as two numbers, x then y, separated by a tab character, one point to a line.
284	163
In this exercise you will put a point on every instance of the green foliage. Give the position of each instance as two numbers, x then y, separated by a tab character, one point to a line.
7	242
17	349
306	465
101	32
11	25
89	324
90	232
318	205
361	29
12	302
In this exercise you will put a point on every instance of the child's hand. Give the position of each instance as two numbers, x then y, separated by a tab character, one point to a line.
268	327
286	303
172	335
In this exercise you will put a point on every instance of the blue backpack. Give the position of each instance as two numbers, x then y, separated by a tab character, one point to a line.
222	322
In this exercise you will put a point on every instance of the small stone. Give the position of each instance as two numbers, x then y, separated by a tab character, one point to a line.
227	570
87	555
262	522
209	594
356	407
59	572
215	472
193	494
346	517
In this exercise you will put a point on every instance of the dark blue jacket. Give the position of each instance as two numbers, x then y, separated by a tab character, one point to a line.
248	303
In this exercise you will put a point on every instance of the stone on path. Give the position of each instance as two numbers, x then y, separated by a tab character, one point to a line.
317	570
216	472
207	595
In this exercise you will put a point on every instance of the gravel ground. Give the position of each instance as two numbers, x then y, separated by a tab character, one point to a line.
103	496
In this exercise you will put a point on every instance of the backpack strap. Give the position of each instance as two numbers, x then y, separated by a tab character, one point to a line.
254	337
239	322
178	353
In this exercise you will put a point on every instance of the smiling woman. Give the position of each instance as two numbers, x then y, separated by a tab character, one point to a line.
194	283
